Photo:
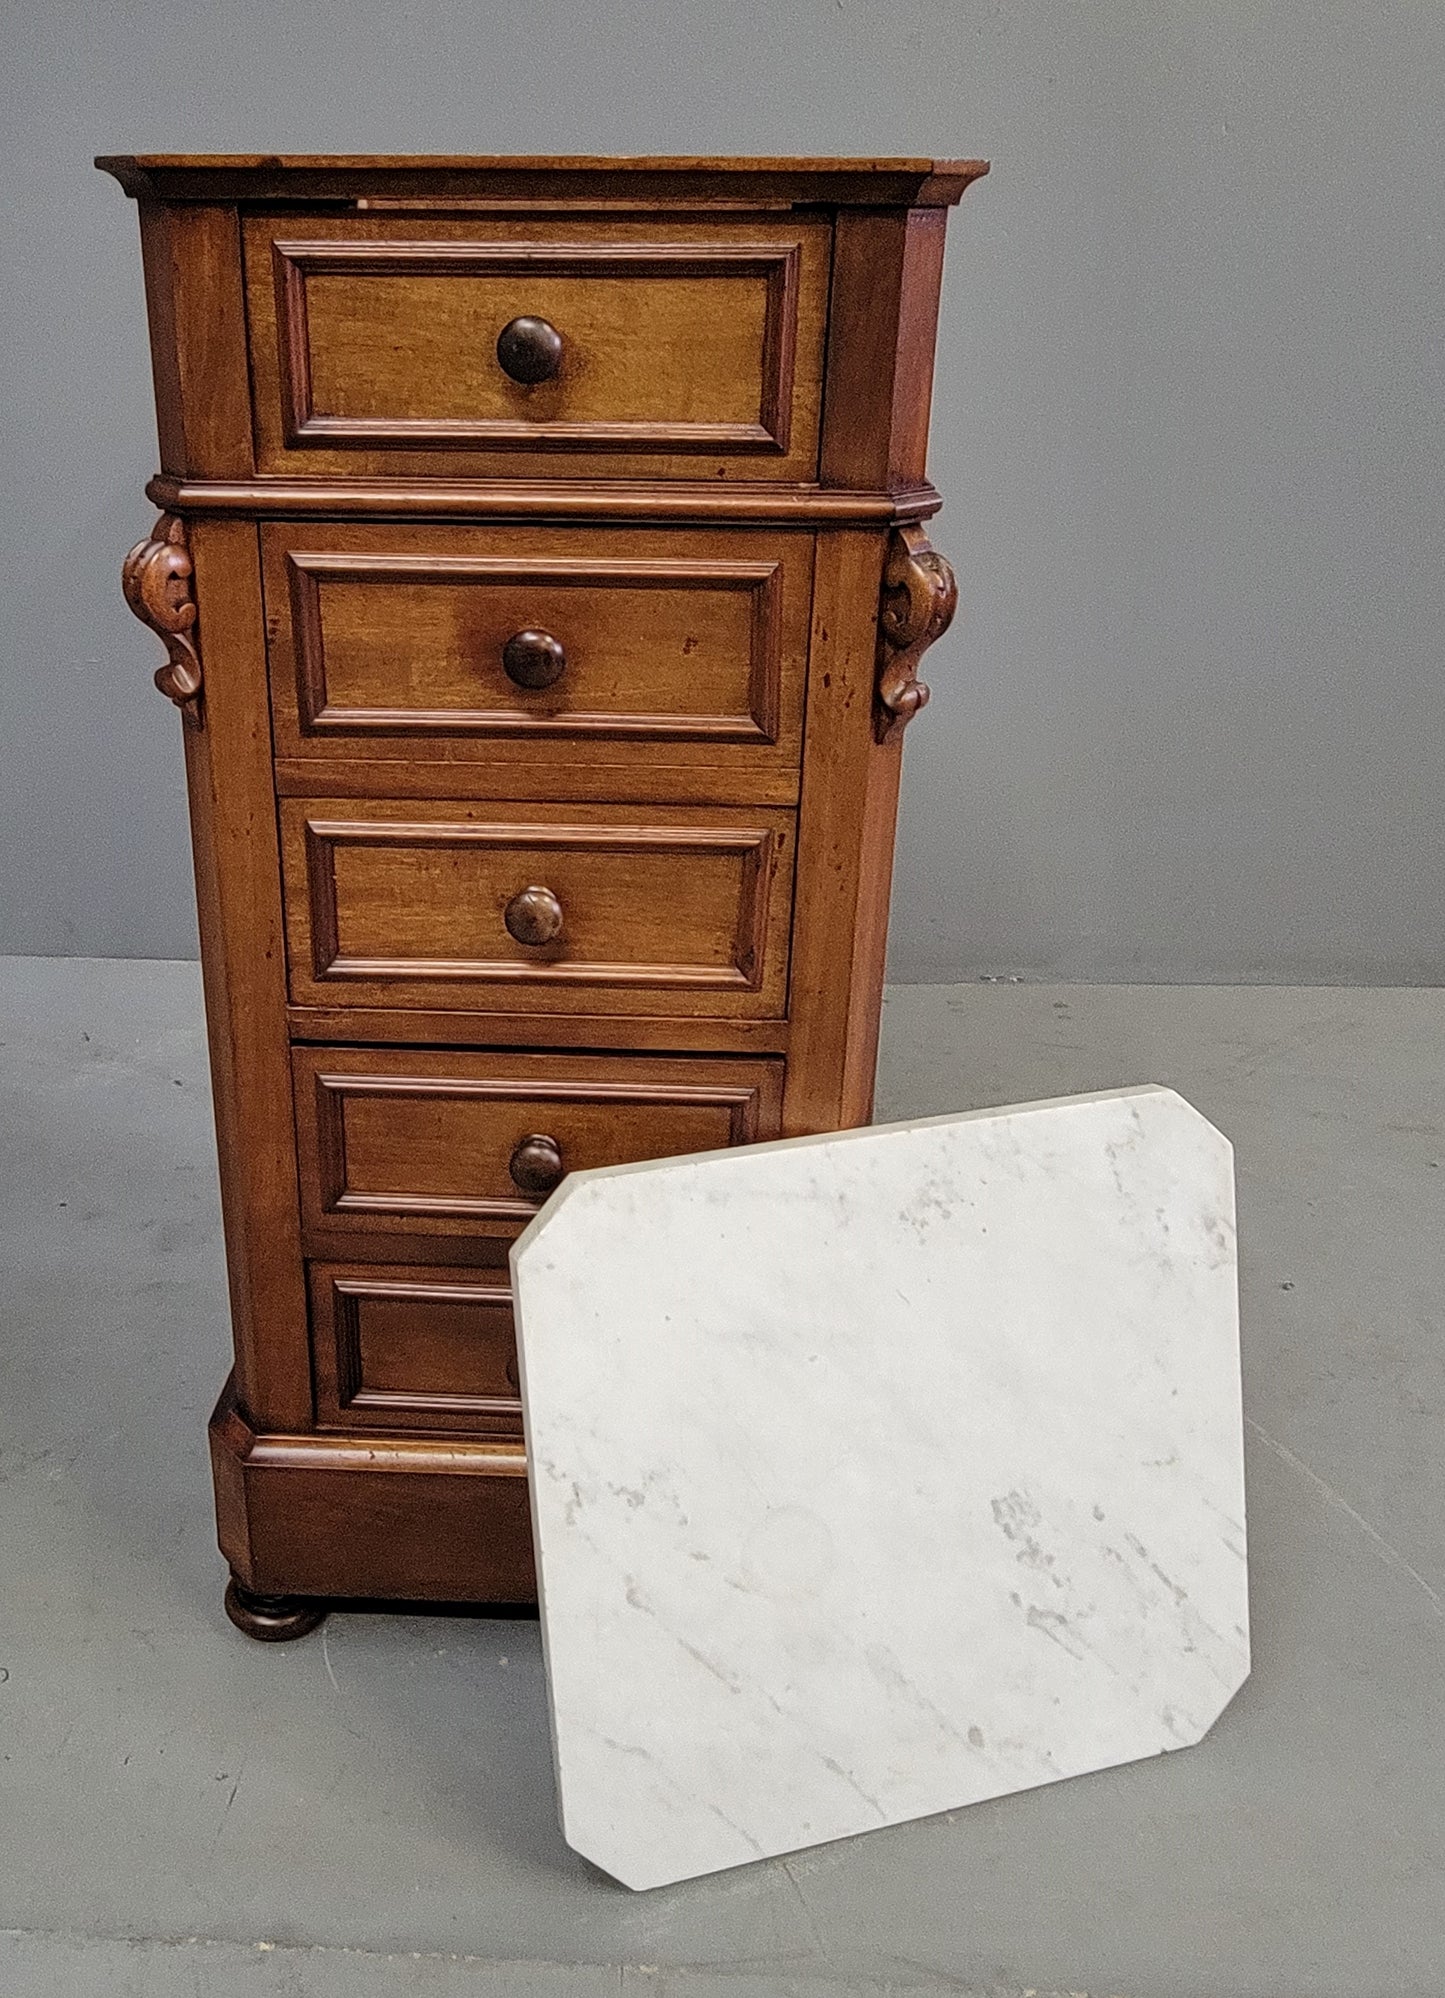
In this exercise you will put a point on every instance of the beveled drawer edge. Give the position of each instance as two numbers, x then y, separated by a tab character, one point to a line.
761	938
428	1286
490	1459
524	499
325	1080
778	263
760	581
541	780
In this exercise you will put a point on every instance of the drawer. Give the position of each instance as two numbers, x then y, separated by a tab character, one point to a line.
683	347
570	908
426	1142
408	1347
440	644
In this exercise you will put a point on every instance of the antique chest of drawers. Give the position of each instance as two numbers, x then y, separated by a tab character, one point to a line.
543	574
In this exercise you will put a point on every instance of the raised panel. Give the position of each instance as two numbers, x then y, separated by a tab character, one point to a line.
401	642
407	903
688	344
390	641
389	343
422	1141
411	1347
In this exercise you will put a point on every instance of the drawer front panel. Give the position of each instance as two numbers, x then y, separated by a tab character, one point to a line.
445	643
682	347
566	909
400	1346
433	1143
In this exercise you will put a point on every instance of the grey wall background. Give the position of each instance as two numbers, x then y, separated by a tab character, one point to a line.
1190	724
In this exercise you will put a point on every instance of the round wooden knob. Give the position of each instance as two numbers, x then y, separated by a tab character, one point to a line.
534	916
536	1165
529	350
533	659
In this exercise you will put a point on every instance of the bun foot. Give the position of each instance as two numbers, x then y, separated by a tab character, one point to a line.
270	1619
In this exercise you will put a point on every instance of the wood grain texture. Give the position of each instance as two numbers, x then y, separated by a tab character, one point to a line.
642	1033
238	894
609	773
694	348
397	1347
413	1518
887	267
421	1142
845	835
689	646
655	182
195	303
402	903
349	320
912	398
643	501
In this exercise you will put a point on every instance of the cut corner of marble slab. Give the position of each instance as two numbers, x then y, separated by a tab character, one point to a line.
576	1183
866	1491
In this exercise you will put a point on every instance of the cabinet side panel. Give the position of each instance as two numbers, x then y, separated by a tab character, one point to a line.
887	270
850	792
870	934
238	888
917	340
887	266
229	1440
162	281
195	304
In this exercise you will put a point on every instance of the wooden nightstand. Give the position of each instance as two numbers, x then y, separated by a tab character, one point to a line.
543	581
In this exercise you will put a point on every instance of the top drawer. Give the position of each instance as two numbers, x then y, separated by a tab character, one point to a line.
681	348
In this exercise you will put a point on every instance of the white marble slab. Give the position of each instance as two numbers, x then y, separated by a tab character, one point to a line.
877	1474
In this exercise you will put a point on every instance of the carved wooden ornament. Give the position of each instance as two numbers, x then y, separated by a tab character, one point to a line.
919	599
156	579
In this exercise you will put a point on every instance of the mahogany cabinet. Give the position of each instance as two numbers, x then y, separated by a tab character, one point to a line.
543	576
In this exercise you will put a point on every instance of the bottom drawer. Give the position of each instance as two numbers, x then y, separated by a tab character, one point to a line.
398	1346
421	1153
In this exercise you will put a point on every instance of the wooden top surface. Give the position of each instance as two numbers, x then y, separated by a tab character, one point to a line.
325	176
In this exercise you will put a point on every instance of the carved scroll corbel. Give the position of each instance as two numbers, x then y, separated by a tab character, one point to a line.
156	580
919	599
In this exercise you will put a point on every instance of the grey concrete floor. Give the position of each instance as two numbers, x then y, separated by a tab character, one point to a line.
369	1811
